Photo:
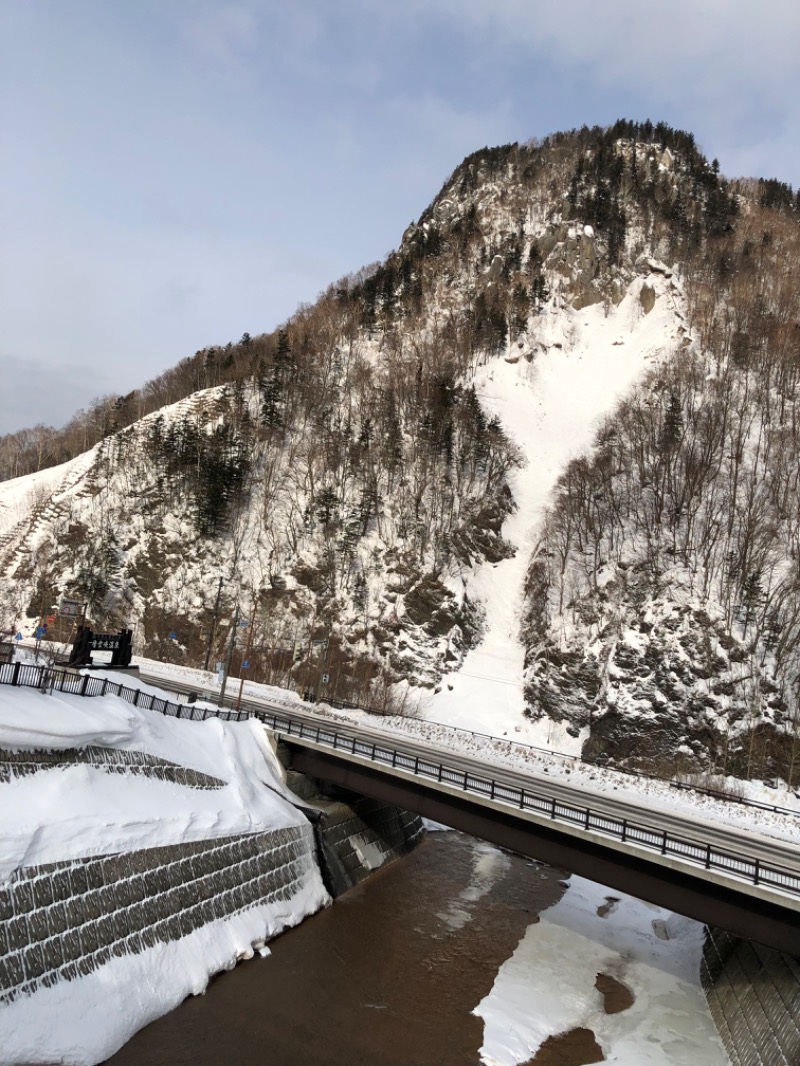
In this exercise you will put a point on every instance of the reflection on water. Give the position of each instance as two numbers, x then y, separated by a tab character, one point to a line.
387	976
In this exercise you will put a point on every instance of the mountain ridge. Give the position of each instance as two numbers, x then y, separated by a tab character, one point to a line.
357	485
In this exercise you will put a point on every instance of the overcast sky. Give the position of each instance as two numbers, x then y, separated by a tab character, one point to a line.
174	173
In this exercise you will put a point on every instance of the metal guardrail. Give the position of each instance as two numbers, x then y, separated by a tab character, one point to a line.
704	855
48	679
683	786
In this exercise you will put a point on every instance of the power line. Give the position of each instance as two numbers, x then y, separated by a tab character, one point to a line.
484	677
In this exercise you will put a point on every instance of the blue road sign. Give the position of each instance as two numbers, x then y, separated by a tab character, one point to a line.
18	636
173	636
246	664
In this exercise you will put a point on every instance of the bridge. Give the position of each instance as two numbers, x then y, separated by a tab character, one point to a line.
739	880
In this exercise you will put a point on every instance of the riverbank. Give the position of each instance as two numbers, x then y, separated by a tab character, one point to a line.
139	855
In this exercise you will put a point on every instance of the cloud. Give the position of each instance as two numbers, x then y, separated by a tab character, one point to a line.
723	68
437	119
228	34
34	392
439	132
742	45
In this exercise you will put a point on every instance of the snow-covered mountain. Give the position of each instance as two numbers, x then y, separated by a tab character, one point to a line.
536	471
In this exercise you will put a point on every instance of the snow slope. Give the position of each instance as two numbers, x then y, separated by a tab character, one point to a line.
78	811
551	409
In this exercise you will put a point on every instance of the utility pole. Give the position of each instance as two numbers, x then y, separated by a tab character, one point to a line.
323	668
247	652
213	626
227	670
292	658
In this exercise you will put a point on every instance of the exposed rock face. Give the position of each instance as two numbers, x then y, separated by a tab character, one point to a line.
431	606
647	298
586	297
346	477
568	687
496	269
663	685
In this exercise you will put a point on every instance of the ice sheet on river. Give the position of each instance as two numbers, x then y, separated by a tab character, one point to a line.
548	985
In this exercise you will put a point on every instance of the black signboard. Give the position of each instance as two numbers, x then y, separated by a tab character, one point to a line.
119	644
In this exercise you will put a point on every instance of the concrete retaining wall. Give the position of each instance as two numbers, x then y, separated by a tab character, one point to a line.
754	997
355	835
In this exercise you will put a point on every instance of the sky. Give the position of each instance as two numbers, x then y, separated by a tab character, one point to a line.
173	175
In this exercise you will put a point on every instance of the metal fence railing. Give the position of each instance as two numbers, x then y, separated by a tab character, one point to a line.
683	786
697	853
652	838
48	679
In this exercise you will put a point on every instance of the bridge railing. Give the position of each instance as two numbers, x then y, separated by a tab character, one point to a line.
695	852
685	786
682	786
652	838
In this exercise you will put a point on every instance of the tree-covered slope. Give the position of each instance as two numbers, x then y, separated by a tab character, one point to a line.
663	598
352	478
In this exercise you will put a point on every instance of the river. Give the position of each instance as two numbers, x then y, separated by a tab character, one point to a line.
391	974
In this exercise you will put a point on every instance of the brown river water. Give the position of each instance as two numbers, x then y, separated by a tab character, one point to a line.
387	976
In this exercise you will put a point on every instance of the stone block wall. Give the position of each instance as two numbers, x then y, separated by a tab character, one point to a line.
64	920
110	760
356	835
754	997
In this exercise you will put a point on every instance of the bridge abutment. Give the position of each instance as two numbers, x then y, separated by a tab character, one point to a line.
753	993
355	835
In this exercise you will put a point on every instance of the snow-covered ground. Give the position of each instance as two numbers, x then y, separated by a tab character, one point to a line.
551	409
80	811
654	954
514	749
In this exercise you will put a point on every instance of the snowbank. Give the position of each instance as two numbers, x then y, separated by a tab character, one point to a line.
83	810
79	810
